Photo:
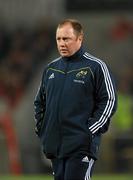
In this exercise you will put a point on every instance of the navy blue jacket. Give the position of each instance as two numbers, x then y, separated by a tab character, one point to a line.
74	104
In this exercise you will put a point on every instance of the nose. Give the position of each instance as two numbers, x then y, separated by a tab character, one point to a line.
61	43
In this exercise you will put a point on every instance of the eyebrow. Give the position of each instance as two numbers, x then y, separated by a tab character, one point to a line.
64	38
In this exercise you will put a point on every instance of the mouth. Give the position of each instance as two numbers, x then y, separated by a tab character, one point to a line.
63	51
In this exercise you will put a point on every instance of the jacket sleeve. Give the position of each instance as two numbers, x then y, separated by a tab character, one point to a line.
40	106
105	100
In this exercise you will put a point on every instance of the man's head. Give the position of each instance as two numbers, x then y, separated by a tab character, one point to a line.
69	37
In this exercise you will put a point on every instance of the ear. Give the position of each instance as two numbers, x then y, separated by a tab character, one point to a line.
81	37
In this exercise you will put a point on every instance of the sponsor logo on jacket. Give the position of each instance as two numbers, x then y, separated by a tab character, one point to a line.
81	74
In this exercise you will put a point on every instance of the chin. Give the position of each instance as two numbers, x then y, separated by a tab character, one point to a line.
64	55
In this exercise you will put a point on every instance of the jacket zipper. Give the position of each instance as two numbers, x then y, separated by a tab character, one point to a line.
59	110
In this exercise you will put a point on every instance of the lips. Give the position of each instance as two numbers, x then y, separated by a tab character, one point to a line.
63	50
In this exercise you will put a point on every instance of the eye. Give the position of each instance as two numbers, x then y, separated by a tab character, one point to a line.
66	39
58	39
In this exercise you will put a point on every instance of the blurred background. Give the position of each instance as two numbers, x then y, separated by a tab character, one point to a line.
27	43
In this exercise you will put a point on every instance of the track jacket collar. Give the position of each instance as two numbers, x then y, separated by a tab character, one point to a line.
75	56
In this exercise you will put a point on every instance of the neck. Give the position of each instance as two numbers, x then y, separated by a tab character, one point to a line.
76	55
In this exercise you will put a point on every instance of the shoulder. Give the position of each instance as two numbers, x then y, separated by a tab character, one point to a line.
51	64
54	62
94	61
97	65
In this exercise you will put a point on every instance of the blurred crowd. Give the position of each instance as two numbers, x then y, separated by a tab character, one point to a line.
121	35
21	52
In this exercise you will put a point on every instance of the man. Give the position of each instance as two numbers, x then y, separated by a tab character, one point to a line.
73	106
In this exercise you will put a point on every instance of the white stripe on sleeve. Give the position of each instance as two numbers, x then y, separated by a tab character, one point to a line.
111	95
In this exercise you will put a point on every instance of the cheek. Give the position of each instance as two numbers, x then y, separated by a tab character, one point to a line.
57	44
72	47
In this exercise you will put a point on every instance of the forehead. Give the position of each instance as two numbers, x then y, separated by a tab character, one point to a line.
65	30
